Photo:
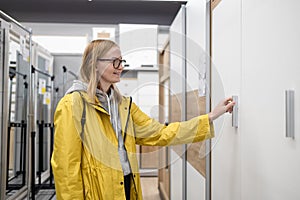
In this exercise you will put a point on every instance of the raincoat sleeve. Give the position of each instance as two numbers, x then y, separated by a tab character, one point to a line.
150	132
66	157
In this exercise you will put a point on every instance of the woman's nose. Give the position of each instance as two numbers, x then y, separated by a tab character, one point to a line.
121	67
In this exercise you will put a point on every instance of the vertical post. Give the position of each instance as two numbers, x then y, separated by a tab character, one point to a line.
7	153
208	99
21	147
64	79
25	152
32	165
51	150
53	99
183	109
53	104
9	128
31	121
41	142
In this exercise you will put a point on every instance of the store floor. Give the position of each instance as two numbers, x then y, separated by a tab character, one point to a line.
149	187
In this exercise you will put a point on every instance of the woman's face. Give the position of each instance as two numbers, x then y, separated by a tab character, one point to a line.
108	74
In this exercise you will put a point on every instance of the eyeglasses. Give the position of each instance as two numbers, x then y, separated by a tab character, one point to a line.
116	61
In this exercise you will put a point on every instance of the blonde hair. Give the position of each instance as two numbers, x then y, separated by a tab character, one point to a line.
95	50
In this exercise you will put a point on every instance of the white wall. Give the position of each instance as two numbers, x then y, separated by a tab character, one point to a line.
138	44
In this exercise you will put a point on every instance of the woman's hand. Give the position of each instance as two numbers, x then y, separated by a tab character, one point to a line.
224	106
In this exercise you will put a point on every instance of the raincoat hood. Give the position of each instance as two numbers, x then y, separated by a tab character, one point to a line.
103	98
77	86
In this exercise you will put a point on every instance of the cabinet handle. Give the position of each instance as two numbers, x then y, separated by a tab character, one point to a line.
290	113
235	120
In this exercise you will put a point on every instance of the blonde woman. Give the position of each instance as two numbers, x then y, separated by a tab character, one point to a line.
97	129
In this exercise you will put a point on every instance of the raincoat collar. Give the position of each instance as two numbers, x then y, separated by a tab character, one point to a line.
97	102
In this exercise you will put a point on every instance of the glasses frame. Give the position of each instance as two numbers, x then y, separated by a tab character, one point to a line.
113	60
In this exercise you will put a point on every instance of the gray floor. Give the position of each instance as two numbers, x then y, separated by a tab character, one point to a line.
149	187
46	195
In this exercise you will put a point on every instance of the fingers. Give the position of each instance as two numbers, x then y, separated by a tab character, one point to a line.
228	103
224	106
229	106
228	99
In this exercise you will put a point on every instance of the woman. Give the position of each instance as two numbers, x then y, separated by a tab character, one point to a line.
97	129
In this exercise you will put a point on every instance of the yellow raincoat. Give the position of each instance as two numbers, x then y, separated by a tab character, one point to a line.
88	166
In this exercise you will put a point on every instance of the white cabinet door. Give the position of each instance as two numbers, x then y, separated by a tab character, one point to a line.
196	102
270	65
226	81
255	52
176	90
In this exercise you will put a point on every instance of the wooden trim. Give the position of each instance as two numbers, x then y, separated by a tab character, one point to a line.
162	192
214	4
164	78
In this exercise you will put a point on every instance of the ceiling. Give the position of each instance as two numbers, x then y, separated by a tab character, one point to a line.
92	12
